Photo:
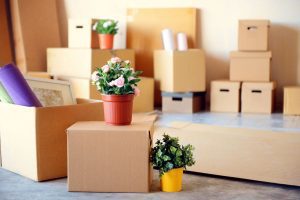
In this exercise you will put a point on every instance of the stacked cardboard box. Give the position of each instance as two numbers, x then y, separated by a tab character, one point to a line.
83	57
180	74
291	100
251	65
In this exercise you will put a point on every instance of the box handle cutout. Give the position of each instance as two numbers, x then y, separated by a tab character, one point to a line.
256	91
79	26
251	28
176	98
224	90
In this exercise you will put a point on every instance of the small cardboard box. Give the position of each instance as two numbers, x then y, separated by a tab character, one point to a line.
225	96
185	102
82	62
253	35
33	140
83	88
291	100
104	158
180	71
39	75
258	97
81	34
250	66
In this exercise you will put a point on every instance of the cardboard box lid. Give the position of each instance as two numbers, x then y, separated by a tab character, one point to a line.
259	85
224	84
294	87
181	94
257	22
244	54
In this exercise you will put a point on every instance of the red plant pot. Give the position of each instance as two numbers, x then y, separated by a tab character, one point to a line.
118	109
106	41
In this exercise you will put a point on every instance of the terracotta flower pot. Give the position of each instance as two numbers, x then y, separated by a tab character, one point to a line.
106	41
117	109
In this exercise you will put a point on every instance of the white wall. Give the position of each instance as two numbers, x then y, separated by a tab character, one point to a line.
218	35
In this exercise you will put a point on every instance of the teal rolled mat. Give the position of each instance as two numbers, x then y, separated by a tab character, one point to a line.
4	97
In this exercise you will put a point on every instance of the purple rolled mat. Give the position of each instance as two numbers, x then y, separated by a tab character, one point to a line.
17	87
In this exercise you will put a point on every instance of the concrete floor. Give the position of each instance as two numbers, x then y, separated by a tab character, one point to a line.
195	186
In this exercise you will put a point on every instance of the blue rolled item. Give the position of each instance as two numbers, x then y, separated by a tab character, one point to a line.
17	87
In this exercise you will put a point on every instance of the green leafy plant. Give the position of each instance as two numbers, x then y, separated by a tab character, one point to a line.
116	77
106	26
169	154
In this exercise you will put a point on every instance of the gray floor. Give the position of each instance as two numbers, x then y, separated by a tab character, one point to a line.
195	186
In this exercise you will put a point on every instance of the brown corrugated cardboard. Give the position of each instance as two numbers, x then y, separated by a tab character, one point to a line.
250	66
83	88
291	101
187	102
257	97
262	155
180	71
253	35
82	62
225	96
30	48
81	34
104	158
33	140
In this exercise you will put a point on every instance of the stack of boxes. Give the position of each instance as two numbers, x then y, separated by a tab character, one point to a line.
180	75
250	68
83	57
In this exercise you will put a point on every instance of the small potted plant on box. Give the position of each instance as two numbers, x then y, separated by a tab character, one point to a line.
117	83
170	158
106	29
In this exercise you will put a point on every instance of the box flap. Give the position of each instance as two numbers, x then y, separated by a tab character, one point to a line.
244	54
251	22
259	85
181	94
225	84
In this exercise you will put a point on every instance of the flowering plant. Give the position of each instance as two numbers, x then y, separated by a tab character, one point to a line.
106	26
116	77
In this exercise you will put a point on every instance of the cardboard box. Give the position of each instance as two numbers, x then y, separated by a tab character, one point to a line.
253	35
187	102
225	96
83	88
262	155
258	97
180	71
39	75
291	100
33	140
81	34
30	48
104	158
82	62
250	66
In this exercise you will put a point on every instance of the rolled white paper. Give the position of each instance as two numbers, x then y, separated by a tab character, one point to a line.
168	39
182	42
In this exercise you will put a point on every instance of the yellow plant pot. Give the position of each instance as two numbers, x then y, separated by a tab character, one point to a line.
171	181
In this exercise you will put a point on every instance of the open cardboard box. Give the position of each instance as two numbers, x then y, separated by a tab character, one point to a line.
262	155
34	141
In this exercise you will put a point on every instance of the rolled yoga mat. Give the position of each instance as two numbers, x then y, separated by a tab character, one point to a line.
16	86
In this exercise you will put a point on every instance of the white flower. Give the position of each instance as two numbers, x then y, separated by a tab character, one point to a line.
127	62
107	24
95	26
115	60
131	78
95	76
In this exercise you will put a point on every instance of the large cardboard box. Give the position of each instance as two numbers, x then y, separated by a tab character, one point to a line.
81	34
258	97
104	158
291	100
180	71
225	96
185	102
33	140
82	62
253	35
83	88
250	66
255	154
30	47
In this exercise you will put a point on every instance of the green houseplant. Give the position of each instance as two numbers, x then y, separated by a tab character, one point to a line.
106	29
169	157
117	83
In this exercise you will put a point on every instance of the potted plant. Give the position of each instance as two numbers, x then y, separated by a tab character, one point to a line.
106	29
170	158
117	83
